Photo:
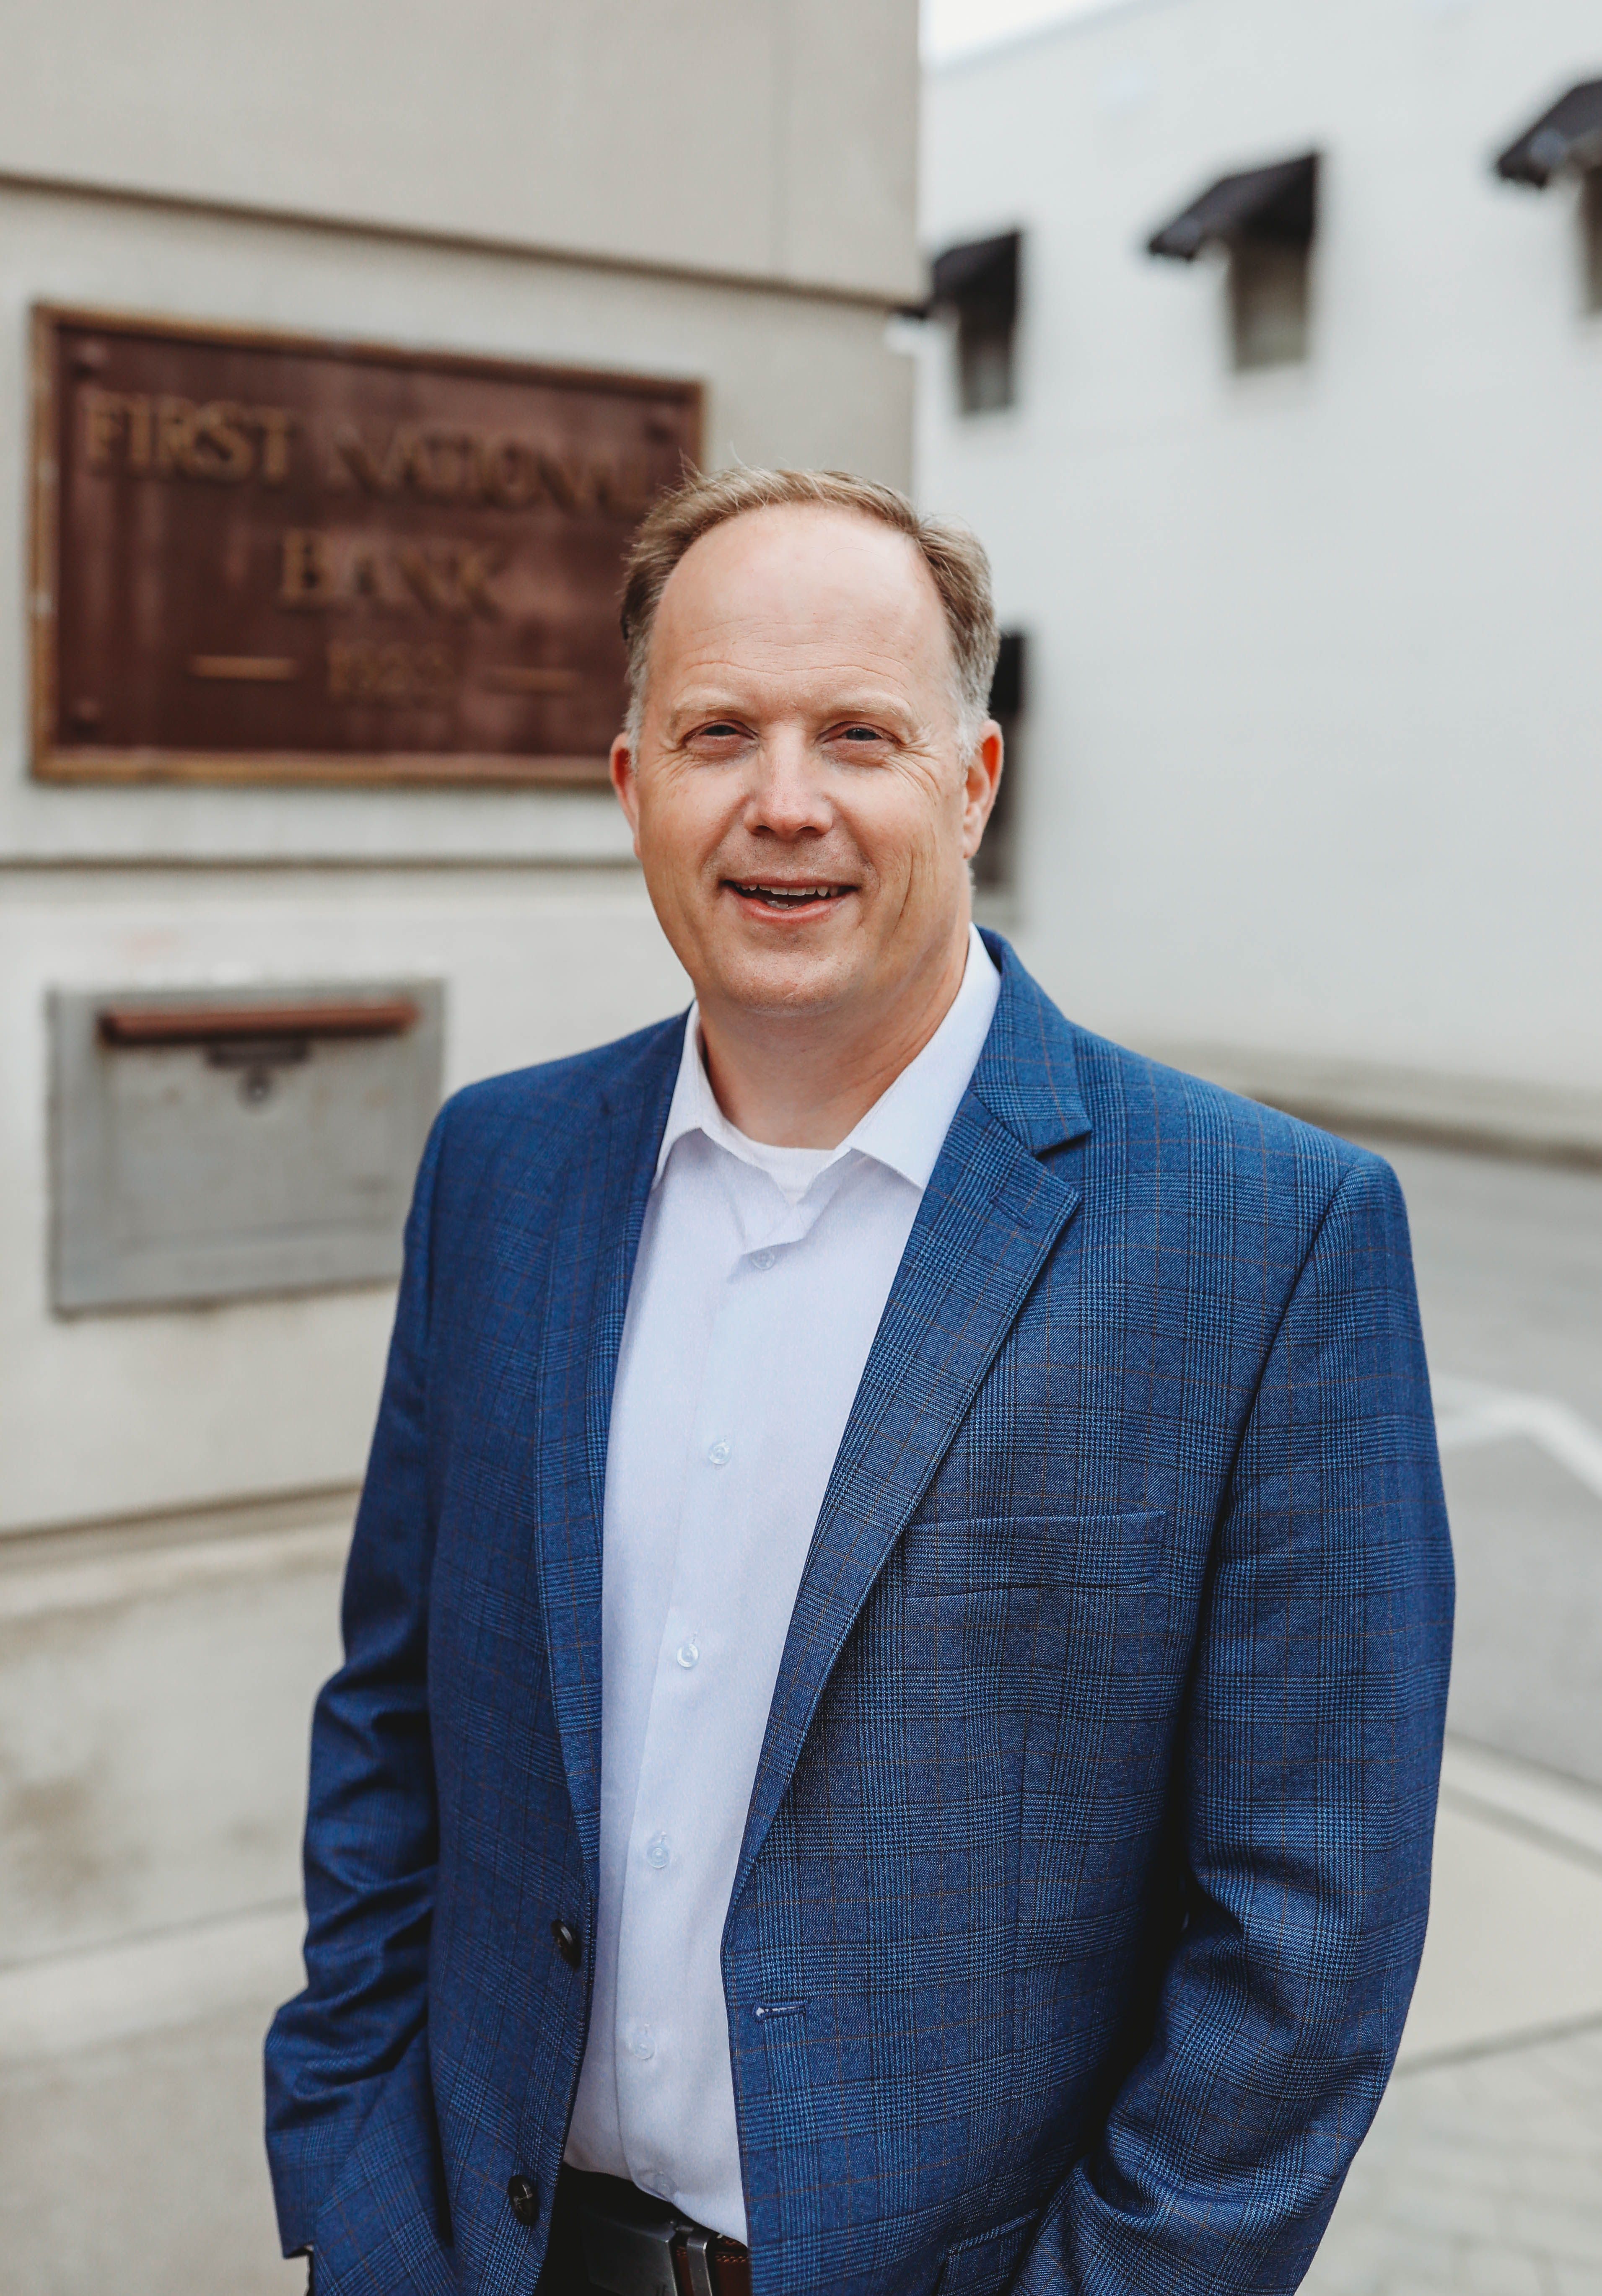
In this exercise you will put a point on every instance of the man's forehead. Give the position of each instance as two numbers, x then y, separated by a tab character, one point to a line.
812	546
711	652
786	581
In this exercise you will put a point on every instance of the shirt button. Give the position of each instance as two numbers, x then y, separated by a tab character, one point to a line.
720	1454
659	1851
642	2041
763	1261
688	1654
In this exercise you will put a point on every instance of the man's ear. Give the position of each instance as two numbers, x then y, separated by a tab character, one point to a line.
982	780
624	780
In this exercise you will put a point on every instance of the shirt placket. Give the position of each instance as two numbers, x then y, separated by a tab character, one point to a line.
684	1842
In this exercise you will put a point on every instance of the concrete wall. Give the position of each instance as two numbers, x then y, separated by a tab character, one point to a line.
156	1693
720	191
528	903
112	1414
774	138
1314	690
805	376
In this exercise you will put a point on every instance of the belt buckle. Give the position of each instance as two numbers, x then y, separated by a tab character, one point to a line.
694	2243
642	2247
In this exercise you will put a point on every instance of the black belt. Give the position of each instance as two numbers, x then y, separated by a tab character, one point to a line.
628	2243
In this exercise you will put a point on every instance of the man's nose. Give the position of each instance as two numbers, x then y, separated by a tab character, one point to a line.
788	796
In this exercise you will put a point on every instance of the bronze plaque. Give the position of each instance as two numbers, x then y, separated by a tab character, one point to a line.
263	559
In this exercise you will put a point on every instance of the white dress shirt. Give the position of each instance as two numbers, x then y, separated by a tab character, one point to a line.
761	1278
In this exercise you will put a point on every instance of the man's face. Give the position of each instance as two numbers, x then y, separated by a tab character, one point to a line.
800	801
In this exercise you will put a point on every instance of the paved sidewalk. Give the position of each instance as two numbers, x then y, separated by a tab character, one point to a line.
1480	2178
1483	2174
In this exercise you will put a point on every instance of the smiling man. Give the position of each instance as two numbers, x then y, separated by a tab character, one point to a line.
897	1629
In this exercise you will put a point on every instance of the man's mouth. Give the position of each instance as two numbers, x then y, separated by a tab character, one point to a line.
781	896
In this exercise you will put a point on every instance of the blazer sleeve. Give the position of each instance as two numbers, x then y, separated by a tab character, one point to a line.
1307	1804
371	1823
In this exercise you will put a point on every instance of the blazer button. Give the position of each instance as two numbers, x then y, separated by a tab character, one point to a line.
568	1943
523	2193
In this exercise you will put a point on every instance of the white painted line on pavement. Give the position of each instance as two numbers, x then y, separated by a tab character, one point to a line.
1514	1941
1468	1414
1564	1813
1500	2045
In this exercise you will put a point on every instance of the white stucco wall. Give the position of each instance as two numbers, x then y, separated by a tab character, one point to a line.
1314	685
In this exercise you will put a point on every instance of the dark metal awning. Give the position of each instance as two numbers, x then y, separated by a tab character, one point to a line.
979	279
1569	136
1277	205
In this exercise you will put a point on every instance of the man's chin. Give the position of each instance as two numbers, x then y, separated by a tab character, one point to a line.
783	983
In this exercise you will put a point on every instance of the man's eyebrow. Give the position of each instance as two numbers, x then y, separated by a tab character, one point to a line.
859	705
682	720
872	705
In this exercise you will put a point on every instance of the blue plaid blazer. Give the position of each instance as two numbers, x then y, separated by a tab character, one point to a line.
1085	1874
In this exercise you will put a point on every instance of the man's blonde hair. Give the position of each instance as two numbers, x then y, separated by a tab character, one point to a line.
956	558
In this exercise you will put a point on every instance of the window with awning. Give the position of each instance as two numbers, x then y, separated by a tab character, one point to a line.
1567	141
976	282
1264	221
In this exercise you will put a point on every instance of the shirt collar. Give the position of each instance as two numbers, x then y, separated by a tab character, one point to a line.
907	1126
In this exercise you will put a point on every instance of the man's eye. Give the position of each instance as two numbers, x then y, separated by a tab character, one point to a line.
861	734
720	731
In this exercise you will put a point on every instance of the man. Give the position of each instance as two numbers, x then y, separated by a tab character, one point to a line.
897	1626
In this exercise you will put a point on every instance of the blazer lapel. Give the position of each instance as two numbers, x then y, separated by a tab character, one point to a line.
990	1218
597	1231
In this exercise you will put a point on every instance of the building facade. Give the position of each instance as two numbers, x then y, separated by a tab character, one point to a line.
717	199
1285	449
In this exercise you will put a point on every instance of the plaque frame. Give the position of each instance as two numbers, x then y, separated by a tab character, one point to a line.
89	763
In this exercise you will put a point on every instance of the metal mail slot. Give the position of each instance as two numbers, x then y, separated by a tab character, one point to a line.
218	1025
210	1145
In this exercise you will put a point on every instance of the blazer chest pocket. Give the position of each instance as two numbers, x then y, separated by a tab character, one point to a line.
1021	1621
987	2261
967	1584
